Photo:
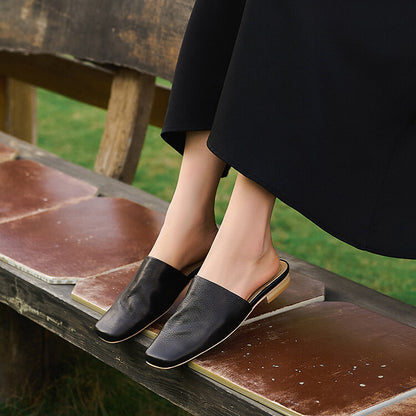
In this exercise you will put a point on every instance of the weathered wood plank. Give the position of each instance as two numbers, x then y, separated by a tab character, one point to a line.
126	124
140	34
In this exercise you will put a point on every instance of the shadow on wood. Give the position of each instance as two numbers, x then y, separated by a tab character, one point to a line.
29	355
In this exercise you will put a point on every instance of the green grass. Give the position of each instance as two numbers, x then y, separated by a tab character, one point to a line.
73	131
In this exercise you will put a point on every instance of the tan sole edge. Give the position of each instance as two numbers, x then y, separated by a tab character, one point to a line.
279	289
88	304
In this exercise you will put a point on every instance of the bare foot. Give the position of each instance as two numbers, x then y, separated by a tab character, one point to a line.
239	266
242	257
184	240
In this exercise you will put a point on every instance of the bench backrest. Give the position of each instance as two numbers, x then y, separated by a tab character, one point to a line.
102	52
141	34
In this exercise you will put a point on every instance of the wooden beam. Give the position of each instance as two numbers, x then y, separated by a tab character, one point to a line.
81	81
128	115
21	112
75	79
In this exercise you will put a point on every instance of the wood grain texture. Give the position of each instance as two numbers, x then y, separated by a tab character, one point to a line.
126	124
140	34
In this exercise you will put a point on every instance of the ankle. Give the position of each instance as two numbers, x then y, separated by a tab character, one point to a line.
182	243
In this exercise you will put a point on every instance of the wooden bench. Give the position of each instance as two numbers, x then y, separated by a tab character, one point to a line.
110	60
51	307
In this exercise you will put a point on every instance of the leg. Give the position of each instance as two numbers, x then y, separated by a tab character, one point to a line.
242	257
189	227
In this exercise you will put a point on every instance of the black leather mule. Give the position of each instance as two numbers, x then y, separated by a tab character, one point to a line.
146	298
207	316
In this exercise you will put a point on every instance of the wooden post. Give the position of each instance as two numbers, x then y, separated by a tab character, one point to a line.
18	109
29	355
128	115
3	103
21	352
22	110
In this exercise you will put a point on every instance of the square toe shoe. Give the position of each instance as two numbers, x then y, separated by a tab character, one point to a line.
207	316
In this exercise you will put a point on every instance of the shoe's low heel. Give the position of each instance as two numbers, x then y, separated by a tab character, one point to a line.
280	288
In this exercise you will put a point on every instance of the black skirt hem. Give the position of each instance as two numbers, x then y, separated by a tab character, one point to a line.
281	195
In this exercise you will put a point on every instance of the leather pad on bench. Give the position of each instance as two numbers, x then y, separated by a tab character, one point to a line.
329	358
27	188
80	240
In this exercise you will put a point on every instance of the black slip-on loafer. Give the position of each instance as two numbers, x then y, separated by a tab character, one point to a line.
148	296
207	316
